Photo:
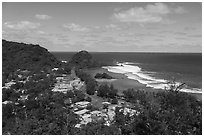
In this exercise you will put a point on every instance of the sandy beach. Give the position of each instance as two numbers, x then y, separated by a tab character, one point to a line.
121	82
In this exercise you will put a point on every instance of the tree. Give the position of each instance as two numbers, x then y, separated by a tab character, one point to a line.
6	94
112	92
103	76
91	87
114	101
79	96
98	128
103	90
88	99
70	94
119	117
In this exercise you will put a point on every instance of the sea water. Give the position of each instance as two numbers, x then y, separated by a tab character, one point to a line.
154	70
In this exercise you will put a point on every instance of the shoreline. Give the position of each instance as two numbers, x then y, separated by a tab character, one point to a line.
122	82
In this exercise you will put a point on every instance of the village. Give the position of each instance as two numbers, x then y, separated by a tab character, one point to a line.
95	109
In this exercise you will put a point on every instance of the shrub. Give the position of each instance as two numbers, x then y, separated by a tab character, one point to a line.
105	91
114	101
88	99
91	87
103	76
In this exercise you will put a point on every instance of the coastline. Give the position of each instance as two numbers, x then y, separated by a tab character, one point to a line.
121	82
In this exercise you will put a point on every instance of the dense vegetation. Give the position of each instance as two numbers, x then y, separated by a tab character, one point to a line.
83	59
103	76
91	83
25	56
108	92
45	112
167	112
161	113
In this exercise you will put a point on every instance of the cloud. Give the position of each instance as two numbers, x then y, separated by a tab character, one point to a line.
42	17
189	28
75	27
165	31
196	35
181	38
159	39
180	33
179	10
90	35
112	26
152	13
22	25
14	35
40	32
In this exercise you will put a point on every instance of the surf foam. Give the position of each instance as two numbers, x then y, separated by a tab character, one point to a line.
135	73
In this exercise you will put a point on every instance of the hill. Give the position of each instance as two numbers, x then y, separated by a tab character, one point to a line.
83	59
26	56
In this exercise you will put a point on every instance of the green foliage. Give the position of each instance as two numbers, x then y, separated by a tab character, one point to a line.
88	99
18	85
47	115
132	96
7	94
25	56
70	94
169	113
103	76
90	82
114	101
98	129
91	87
105	91
67	68
45	112
79	96
119	117
83	59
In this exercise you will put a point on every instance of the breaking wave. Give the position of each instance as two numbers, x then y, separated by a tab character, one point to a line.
135	73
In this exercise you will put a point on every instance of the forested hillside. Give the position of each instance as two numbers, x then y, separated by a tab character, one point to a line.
25	56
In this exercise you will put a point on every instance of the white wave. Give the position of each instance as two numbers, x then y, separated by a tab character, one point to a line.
122	68
146	76
114	70
193	90
135	73
126	63
64	61
167	86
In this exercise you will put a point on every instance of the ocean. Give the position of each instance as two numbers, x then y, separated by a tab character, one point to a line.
152	69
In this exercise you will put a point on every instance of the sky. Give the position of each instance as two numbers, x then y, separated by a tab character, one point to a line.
105	27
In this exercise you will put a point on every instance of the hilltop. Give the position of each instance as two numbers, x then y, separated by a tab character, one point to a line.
26	57
83	59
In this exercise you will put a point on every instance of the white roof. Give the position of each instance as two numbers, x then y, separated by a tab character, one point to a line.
7	102
106	103
55	68
130	111
82	103
64	61
77	125
59	78
96	112
81	111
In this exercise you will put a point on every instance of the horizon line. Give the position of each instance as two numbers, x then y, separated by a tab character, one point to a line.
124	51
